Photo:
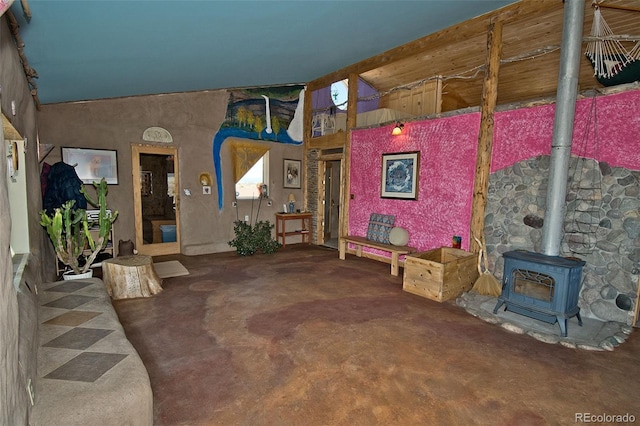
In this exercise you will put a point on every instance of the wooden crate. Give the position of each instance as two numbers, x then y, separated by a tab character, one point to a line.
440	274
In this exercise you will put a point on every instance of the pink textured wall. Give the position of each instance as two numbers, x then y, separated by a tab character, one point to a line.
606	131
447	161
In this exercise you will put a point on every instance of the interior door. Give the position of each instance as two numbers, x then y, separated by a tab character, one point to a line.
331	200
156	199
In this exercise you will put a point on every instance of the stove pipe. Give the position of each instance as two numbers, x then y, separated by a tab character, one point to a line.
570	51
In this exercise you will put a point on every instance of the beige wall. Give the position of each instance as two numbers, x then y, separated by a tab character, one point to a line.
18	307
193	120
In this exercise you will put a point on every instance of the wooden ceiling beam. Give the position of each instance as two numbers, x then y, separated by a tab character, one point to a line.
619	7
26	9
29	72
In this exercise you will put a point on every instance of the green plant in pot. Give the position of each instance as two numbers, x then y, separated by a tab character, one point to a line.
69	230
255	238
251	239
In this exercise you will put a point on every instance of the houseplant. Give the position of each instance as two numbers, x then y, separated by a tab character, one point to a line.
70	230
254	238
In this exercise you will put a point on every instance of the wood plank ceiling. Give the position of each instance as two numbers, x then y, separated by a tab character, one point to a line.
532	34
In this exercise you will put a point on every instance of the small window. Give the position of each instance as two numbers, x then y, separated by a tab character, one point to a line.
17	192
248	187
340	94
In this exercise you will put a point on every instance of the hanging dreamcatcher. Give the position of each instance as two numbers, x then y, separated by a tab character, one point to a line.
612	62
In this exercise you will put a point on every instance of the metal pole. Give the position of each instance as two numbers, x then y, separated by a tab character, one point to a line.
563	126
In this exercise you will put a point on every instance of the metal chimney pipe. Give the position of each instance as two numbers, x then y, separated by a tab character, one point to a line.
563	125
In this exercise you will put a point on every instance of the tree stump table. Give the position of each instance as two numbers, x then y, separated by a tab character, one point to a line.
128	277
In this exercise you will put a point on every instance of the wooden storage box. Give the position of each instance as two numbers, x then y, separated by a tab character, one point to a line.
440	274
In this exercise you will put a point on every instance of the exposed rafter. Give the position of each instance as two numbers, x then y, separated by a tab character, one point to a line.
26	9
616	6
29	72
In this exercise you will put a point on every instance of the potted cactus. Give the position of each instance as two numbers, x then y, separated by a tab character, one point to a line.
69	231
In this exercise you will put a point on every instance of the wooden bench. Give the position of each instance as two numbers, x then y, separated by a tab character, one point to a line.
360	242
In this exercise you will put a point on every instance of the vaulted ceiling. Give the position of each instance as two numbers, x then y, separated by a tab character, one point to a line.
94	49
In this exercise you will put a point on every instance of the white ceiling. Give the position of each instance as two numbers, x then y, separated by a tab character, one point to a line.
96	49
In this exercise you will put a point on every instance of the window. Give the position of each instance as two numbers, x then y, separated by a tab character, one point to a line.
18	203
248	187
340	93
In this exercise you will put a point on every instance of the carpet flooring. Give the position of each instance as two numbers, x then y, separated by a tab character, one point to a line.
303	338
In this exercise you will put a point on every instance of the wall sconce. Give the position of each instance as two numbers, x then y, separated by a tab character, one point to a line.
398	129
205	181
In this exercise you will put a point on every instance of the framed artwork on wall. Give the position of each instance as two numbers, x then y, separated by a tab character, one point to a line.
292	173
400	175
93	164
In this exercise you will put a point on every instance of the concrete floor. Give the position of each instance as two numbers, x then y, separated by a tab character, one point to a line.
303	338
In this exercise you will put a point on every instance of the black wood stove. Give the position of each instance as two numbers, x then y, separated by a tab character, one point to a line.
542	287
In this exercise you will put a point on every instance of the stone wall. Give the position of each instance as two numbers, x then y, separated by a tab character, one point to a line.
312	191
601	226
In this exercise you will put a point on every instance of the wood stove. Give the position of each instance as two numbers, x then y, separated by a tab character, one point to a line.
542	287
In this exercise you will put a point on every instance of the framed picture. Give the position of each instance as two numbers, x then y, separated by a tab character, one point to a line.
292	173
93	164
400	175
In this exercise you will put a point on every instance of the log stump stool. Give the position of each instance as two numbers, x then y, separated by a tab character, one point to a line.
128	277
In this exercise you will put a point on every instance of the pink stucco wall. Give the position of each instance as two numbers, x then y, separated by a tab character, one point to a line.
447	156
606	131
447	161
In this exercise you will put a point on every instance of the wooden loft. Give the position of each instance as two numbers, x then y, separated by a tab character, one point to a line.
422	100
450	64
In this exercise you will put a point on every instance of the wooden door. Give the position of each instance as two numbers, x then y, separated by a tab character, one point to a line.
156	199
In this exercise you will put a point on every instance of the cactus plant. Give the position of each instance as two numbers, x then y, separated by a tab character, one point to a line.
69	229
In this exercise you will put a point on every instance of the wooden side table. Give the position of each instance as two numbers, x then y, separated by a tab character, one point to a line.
304	231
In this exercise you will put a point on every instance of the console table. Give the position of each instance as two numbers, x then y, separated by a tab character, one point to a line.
303	231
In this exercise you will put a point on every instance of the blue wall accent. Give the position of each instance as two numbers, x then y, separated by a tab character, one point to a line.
223	134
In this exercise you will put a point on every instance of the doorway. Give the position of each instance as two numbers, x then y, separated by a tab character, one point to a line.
156	199
331	202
